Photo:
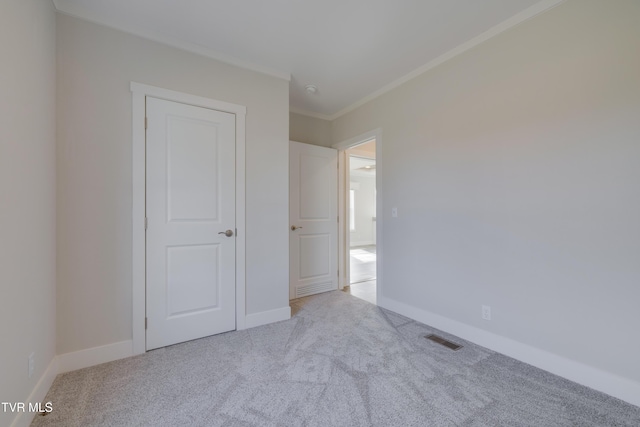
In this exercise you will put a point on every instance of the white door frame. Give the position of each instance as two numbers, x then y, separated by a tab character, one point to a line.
343	183
140	92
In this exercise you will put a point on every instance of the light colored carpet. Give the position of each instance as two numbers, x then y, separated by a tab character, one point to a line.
339	361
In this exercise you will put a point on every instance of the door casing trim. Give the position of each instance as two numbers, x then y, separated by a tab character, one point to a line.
343	182
138	246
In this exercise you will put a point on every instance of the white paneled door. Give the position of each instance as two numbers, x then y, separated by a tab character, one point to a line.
313	217
190	210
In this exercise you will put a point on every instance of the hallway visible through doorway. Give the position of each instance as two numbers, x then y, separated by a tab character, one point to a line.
363	273
358	201
363	263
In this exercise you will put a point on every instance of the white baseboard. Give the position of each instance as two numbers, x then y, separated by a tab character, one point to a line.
611	384
94	356
23	419
266	317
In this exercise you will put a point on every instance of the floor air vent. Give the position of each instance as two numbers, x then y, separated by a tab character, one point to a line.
446	343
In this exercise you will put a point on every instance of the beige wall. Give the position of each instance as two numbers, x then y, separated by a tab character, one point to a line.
27	195
309	130
365	210
515	170
95	67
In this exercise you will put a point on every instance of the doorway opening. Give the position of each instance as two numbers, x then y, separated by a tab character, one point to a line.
360	233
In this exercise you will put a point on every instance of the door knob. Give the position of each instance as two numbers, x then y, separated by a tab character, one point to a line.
227	233
294	228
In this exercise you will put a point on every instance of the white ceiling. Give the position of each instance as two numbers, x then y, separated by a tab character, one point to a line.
352	50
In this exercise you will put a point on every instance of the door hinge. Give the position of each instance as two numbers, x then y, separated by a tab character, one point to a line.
145	123
145	323
338	219
146	222
338	273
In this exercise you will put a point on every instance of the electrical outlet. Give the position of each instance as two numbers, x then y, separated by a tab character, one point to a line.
32	362
486	312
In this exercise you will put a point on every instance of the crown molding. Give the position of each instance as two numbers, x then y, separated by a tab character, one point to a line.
307	113
79	12
537	9
530	12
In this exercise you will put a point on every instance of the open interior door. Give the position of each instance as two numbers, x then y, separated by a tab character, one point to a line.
313	217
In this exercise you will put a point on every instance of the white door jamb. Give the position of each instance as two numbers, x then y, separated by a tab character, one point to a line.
343	206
